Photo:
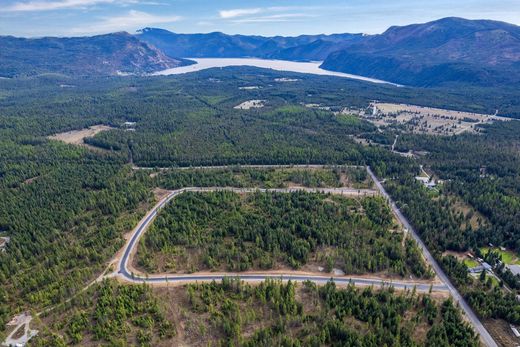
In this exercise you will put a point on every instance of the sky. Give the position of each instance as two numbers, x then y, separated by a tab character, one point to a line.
36	18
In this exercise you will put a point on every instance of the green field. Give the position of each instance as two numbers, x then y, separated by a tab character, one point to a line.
470	262
508	257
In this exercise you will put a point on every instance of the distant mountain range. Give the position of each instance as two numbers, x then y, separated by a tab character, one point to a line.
111	54
448	51
220	45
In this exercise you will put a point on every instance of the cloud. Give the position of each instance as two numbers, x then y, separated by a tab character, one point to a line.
129	21
239	12
27	6
287	17
267	14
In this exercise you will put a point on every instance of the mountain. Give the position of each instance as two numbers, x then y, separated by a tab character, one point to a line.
96	55
442	52
449	51
220	45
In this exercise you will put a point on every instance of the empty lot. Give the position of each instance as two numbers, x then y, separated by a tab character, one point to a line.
76	137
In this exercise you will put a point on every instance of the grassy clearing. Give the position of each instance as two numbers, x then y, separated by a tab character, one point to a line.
508	257
470	262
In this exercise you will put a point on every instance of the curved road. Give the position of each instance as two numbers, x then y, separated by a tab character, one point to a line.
475	321
127	275
143	225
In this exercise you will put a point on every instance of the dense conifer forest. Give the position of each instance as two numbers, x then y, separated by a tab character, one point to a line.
224	230
65	207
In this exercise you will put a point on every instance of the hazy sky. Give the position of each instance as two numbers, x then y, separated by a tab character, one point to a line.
263	17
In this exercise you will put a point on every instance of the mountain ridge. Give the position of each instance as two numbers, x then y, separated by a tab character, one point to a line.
220	45
108	54
449	50
445	52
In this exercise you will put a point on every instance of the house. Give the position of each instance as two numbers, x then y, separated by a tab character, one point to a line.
479	268
476	269
426	181
486	266
515	269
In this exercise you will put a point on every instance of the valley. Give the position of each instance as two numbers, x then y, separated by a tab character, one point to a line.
165	189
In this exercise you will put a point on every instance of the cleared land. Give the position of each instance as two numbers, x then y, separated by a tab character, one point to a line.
231	312
425	120
247	105
76	137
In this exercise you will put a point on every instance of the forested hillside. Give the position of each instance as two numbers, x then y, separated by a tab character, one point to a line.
111	54
442	52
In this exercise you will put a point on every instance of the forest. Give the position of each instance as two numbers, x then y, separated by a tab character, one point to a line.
443	229
333	177
228	231
484	171
65	208
272	313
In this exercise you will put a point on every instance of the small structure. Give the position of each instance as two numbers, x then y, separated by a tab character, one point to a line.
515	331
426	181
476	269
486	266
129	126
515	269
479	268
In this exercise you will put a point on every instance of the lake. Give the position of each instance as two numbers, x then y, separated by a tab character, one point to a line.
279	65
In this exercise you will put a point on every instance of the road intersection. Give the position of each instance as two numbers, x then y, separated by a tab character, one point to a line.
124	273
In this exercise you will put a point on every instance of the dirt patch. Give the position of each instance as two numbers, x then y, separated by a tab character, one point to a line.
19	332
30	180
472	216
76	137
247	105
501	332
160	193
459	255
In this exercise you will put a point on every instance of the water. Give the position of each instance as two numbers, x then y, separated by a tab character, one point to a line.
279	65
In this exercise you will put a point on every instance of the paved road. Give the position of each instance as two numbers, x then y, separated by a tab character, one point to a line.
268	166
475	321
127	275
